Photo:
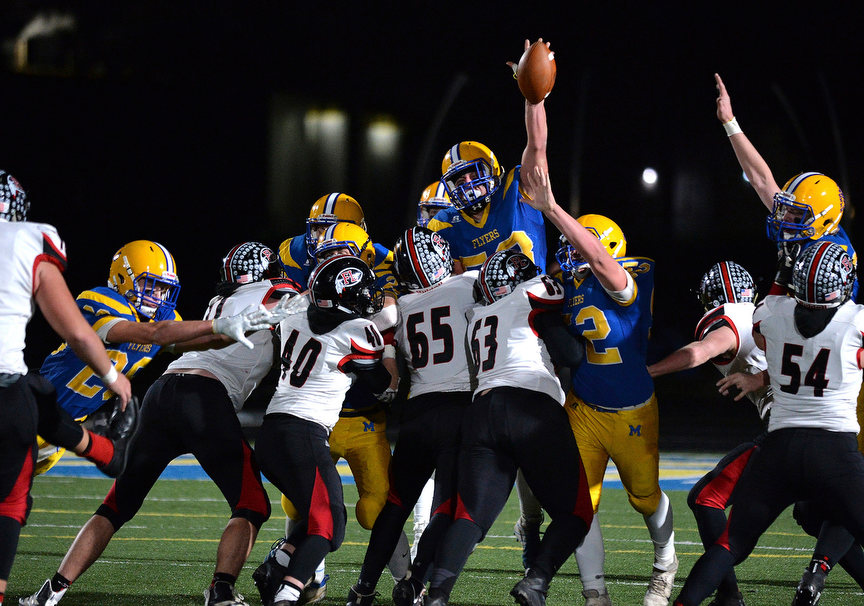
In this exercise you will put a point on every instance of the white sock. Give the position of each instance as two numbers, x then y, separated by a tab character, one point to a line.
319	573
662	534
283	558
422	512
591	557
287	592
400	561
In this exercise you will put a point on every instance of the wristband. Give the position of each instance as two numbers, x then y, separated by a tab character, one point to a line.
109	377
732	127
389	352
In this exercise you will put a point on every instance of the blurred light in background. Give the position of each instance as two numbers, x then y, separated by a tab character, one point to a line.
649	177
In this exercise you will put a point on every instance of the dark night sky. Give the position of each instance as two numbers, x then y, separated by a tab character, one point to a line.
160	130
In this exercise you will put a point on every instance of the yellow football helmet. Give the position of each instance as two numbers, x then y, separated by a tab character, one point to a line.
345	238
606	230
471	174
809	207
433	199
144	272
328	210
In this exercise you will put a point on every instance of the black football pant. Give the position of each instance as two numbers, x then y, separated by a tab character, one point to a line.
428	441
295	457
180	414
505	429
791	465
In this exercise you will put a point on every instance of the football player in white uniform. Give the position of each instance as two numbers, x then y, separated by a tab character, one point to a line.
724	336
32	259
430	338
191	409
515	335
321	348
814	346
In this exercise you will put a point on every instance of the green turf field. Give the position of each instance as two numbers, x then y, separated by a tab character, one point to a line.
165	555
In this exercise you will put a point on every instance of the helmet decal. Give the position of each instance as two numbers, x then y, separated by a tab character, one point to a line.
823	275
726	282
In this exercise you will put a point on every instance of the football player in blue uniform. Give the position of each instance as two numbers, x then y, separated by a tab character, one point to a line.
612	407
135	317
487	215
297	254
433	200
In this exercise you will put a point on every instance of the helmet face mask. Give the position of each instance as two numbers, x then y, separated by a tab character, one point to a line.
726	282
344	239
329	210
433	200
605	230
250	262
810	206
14	204
346	284
144	272
471	174
823	276
422	258
502	273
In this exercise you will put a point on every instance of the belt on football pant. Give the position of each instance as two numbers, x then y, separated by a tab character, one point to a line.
619	409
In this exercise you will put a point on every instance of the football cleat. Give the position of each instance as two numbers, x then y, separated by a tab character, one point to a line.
44	597
660	585
809	588
408	592
594	597
268	576
529	538
530	591
314	592
122	427
223	596
355	598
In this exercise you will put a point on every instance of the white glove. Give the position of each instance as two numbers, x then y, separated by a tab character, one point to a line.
289	306
389	394
250	319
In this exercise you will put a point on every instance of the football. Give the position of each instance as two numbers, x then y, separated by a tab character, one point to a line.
536	72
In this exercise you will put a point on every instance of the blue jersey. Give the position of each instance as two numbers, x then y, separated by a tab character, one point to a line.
614	373
298	265
79	391
506	223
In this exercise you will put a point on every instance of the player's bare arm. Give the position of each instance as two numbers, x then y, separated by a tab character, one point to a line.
718	342
609	272
165	332
534	154
752	163
59	308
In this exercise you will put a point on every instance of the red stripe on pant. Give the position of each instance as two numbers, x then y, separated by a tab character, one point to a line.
252	494
320	513
14	505
717	492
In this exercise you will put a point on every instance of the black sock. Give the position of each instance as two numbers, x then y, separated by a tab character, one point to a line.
820	562
223	577
59	582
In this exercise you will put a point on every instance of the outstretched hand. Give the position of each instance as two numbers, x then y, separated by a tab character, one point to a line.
540	186
724	103
515	65
254	317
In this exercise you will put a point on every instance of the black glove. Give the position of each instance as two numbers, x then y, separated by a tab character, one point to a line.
787	252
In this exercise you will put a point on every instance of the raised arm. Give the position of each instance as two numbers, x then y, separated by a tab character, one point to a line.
754	165
59	308
716	343
612	276
534	154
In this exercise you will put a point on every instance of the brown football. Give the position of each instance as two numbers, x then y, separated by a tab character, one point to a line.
536	72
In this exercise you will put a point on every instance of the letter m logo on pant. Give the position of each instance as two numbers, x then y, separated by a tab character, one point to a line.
636	431
371	426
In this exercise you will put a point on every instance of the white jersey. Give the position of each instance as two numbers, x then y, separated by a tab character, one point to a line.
815	380
23	245
314	378
747	357
237	367
430	335
505	348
